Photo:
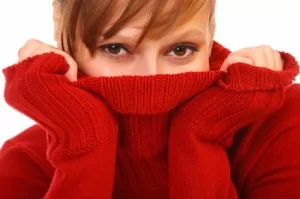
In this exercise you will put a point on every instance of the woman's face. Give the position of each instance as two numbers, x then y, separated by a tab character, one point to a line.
183	49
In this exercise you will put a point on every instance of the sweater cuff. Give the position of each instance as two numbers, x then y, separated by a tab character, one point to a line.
59	65
243	77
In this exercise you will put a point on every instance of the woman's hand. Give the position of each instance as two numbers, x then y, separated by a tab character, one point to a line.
204	127
35	47
260	56
81	129
39	86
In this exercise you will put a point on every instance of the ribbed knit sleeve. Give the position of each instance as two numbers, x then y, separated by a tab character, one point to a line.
204	127
79	126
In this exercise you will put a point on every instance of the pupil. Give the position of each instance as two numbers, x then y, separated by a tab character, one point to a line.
180	50
114	49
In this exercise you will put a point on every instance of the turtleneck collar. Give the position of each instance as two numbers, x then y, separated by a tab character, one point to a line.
148	95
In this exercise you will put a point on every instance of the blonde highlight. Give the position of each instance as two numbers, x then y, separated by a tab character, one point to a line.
87	19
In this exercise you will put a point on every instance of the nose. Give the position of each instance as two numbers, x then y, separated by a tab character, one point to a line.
146	65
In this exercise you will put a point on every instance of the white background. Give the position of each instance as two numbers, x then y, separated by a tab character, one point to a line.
240	23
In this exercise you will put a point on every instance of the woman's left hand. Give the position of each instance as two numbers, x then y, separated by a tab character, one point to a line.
204	127
260	56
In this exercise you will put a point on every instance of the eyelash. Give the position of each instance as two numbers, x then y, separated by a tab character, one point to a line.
188	46
106	46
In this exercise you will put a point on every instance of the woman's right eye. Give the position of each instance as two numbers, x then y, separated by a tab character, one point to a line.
114	49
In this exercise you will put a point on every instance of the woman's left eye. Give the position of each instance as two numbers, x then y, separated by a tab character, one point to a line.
182	50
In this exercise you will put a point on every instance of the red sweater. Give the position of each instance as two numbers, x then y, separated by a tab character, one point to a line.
194	135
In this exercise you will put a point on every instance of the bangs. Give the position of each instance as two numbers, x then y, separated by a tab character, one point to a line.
89	19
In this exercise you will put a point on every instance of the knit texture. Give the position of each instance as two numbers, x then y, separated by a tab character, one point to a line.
161	136
76	123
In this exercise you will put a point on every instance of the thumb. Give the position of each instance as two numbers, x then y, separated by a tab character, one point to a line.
72	72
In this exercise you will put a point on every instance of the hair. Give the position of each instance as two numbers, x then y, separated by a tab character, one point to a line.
88	18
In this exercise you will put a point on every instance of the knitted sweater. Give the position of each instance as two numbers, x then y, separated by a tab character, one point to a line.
211	135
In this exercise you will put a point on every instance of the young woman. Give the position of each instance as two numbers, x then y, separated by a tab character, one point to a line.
157	109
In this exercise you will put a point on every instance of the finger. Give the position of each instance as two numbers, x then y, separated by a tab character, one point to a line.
270	57
72	73
25	52
28	49
257	56
20	52
232	59
279	63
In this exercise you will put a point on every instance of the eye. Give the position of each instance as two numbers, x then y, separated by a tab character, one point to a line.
114	49
182	50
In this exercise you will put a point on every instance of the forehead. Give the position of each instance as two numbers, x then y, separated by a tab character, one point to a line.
87	20
157	16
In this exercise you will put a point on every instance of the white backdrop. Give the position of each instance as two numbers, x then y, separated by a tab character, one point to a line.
240	23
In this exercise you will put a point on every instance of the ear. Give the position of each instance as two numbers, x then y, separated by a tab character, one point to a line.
57	22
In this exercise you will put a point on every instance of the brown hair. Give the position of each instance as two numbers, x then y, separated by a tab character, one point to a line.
89	17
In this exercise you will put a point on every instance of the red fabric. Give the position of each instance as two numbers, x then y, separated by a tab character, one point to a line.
193	135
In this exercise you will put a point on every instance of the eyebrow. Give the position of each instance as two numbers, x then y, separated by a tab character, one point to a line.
198	33
124	37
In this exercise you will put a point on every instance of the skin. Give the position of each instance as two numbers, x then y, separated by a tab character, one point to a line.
184	49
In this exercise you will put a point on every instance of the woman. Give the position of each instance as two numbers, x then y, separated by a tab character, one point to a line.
150	114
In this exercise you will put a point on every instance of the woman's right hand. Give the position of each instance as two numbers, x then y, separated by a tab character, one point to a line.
81	130
43	86
35	47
